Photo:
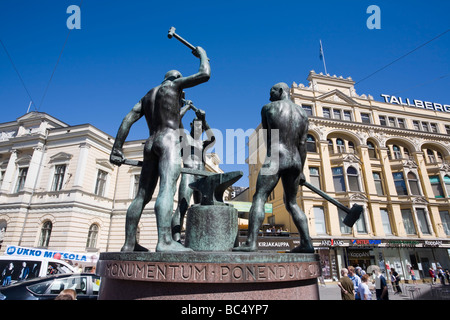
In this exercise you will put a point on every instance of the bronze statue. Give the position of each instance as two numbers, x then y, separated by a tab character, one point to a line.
162	160
193	153
284	160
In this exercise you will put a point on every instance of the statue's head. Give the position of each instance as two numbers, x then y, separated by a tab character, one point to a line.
172	75
280	91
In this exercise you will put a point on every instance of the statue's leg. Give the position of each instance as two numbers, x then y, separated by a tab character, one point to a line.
290	182
147	184
169	171
264	186
184	197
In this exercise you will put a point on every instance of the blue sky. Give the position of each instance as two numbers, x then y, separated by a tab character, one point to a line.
122	51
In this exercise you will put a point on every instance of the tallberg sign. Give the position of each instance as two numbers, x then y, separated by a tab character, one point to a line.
416	103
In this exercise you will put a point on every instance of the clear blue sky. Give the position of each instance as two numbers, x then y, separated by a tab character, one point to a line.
122	51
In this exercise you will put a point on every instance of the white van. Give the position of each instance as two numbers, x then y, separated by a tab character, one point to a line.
17	268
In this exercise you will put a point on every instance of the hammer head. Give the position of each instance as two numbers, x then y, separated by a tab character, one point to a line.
353	215
171	32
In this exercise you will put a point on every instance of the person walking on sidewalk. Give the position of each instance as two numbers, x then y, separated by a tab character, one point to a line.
356	281
363	290
346	285
396	281
381	289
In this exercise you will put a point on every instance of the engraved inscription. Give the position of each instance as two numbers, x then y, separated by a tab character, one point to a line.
208	272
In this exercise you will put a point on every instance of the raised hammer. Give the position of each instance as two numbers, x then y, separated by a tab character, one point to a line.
173	34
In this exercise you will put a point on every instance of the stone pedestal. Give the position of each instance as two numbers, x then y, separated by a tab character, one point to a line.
208	276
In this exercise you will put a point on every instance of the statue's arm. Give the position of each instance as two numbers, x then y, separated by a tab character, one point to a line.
134	115
203	74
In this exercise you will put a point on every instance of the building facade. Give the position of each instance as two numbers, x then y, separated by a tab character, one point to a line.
58	190
391	157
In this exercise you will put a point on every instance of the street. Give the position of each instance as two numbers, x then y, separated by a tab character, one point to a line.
330	291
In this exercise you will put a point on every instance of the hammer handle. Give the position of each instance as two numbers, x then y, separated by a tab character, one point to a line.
327	197
190	46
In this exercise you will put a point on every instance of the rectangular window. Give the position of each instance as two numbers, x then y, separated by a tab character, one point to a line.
392	122
337	114
365	118
347	115
314	177
58	177
400	184
433	127
378	183
326	113
416	125
447	128
100	185
338	179
436	186
344	228
386	221
445	218
408	221
361	224
308	109
319	217
382	120
21	179
422	219
401	123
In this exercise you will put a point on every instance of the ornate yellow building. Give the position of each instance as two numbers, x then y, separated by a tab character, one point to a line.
392	157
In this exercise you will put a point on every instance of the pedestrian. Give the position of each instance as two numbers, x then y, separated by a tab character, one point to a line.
441	275
432	275
381	289
356	281
447	275
413	275
359	271
67	294
346	285
396	281
363	289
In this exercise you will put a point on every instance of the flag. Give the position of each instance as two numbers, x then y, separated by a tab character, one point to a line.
321	51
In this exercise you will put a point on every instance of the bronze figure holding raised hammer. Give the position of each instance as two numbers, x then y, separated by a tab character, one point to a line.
162	160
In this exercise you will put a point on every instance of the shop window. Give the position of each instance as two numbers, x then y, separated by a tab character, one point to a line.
408	222
413	184
319	217
445	218
353	179
423	221
311	144
436	186
338	179
386	221
399	183
46	231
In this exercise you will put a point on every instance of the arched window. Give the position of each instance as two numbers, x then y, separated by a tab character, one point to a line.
310	144
353	179
92	236
46	231
397	152
372	151
431	157
340	145
413	184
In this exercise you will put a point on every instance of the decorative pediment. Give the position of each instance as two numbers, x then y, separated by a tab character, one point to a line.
60	157
351	158
105	163
419	200
337	96
410	164
358	196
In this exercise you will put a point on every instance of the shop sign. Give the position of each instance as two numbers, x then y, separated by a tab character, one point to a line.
332	243
429	243
358	254
365	242
416	103
50	254
402	243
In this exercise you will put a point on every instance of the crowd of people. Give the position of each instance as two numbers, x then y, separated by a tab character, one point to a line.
354	284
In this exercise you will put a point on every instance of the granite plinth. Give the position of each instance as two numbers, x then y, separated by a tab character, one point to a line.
208	275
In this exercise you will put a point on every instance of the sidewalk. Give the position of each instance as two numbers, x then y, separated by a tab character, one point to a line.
330	291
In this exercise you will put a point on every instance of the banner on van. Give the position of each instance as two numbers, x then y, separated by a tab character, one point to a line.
50	254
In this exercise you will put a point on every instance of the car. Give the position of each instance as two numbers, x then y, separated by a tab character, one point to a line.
86	285
19	268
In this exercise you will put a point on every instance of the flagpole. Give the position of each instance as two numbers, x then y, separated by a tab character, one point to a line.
322	55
